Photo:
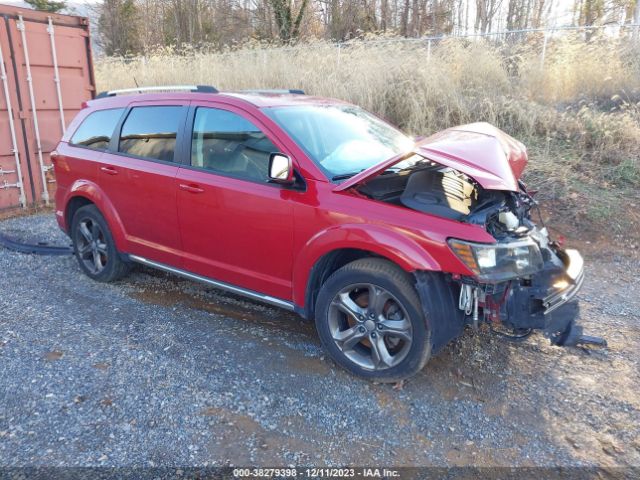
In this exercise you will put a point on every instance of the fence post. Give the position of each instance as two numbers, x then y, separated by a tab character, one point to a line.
544	51
338	56
429	51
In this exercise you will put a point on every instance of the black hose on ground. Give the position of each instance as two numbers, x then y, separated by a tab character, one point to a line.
518	335
40	248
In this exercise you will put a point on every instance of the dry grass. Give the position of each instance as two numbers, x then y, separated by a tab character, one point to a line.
580	114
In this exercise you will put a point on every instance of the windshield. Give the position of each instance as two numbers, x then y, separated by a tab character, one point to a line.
342	139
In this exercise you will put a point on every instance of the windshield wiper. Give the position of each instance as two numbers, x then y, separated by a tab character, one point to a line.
344	176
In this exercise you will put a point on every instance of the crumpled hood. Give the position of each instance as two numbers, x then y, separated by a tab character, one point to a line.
483	152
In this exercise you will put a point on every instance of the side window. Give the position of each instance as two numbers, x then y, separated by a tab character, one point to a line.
227	143
97	129
150	132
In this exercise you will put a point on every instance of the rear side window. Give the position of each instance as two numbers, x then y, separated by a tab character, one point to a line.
97	129
227	143
150	132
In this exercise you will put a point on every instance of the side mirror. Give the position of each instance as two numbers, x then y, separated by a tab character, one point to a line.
280	169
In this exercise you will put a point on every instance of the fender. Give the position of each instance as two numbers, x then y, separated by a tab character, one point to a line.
395	244
91	191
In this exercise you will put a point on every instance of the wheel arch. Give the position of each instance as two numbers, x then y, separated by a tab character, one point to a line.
73	205
333	248
84	193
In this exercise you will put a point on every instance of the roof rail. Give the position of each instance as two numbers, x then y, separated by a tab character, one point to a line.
294	91
161	88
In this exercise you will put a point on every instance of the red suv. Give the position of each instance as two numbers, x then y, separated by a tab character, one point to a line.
390	244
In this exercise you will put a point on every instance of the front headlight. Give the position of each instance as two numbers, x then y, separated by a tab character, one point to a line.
499	261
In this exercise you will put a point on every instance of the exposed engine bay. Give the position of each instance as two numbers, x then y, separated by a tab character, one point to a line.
445	192
532	281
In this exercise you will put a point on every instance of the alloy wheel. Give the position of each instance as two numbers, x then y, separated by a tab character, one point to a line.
92	246
370	326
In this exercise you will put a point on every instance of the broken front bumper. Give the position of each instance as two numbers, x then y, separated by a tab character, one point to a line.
547	300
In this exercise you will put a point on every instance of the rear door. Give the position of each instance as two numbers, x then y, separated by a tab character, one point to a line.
138	174
236	227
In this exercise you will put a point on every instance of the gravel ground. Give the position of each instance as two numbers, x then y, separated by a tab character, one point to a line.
155	370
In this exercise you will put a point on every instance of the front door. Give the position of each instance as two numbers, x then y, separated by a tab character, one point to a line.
236	227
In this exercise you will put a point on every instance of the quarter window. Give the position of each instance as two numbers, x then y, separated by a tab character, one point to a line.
150	132
96	130
228	143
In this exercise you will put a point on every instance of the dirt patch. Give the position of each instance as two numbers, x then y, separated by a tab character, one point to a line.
193	295
239	440
53	355
24	212
617	233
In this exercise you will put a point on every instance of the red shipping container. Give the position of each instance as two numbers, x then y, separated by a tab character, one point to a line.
46	73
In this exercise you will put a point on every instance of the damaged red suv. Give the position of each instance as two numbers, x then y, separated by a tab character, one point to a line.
392	246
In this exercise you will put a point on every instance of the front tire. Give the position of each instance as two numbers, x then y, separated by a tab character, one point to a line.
94	246
369	318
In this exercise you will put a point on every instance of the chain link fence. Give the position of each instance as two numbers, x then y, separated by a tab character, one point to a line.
627	35
624	36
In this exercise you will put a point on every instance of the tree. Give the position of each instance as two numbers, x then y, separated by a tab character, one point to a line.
47	5
485	11
288	26
132	26
119	27
590	12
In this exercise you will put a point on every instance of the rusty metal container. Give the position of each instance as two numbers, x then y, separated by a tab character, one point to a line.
46	73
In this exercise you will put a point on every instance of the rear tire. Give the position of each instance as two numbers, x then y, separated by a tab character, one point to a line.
94	247
370	320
